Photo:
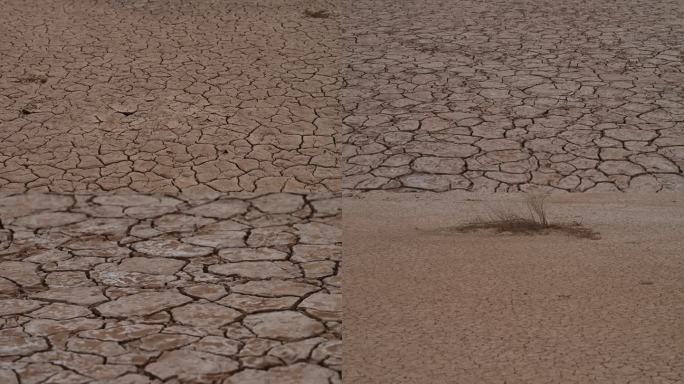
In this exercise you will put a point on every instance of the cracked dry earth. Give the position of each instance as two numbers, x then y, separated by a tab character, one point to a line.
135	289
514	95
168	168
167	96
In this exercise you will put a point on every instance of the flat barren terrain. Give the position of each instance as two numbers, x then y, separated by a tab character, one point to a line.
167	96
426	304
514	95
140	289
171	174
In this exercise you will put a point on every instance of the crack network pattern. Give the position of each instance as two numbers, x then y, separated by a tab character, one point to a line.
142	289
503	96
167	97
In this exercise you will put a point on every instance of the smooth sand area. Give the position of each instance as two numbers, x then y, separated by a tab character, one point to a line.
427	305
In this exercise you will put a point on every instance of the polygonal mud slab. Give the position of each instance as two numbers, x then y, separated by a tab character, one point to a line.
141	303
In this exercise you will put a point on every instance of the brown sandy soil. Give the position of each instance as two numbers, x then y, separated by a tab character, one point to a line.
428	305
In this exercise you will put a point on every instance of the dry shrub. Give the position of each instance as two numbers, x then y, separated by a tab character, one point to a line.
535	222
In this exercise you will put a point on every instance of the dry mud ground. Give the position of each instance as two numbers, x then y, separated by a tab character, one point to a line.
511	96
168	96
425	305
223	130
141	289
227	96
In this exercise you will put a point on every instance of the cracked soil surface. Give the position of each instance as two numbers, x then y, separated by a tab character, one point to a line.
140	289
170	170
167	96
513	96
227	96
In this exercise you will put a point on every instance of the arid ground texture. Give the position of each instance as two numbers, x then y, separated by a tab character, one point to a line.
172	177
143	289
512	95
171	96
426	304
